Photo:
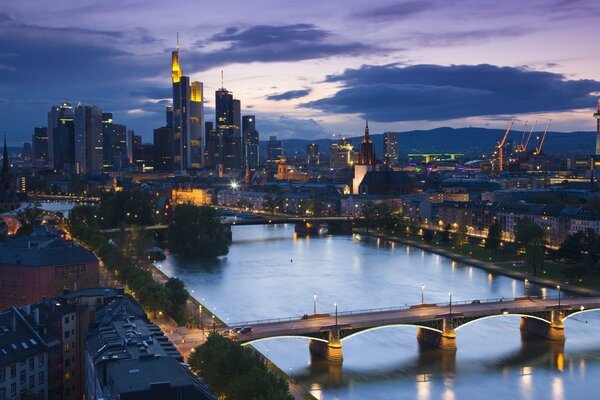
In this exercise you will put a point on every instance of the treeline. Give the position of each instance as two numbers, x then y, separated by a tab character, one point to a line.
125	258
236	372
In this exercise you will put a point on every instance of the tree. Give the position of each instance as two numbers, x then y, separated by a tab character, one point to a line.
198	232
134	242
28	218
534	254
572	248
494	237
459	238
527	230
177	296
235	372
125	207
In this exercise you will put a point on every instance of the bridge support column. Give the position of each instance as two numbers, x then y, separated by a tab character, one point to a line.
445	340
306	228
332	350
553	331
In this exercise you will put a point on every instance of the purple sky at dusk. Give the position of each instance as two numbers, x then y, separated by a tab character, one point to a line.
306	69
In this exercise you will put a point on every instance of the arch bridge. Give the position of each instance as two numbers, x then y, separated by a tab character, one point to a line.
436	324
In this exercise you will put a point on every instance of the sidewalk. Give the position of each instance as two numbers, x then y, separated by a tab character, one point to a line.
495	268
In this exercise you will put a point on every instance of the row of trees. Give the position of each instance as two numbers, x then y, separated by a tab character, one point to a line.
236	372
126	259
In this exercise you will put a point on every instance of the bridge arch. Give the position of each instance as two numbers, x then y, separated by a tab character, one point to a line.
250	342
376	328
501	315
585	310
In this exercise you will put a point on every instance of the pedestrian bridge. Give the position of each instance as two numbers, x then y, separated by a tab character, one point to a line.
437	324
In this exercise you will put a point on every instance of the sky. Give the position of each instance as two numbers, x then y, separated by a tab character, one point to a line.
307	69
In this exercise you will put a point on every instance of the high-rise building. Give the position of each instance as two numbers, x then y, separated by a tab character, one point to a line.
129	145
163	149
228	115
274	151
390	148
107	136
312	154
169	115
40	144
250	140
119	145
61	137
196	125
27	152
186	117
89	140
211	146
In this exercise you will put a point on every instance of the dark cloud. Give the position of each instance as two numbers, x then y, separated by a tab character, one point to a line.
441	39
290	94
390	93
395	11
270	43
289	128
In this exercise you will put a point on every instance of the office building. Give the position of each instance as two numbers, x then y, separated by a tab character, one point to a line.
89	151
274	151
40	265
228	120
163	149
119	145
390	148
211	146
39	142
250	140
313	157
597	116
186	117
61	137
128	357
342	154
107	136
129	145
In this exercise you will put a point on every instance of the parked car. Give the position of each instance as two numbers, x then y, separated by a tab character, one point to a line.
246	329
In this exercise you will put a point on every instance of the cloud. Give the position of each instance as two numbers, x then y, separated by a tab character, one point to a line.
442	39
389	93
290	94
272	43
289	128
395	11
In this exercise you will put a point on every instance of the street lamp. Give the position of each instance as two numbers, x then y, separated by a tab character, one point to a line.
213	320
526	284
450	294
558	288
422	293
314	303
200	315
335	305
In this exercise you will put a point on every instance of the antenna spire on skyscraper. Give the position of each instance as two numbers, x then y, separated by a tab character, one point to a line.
222	86
177	41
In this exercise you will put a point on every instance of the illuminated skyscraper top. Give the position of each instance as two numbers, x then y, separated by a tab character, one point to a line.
176	72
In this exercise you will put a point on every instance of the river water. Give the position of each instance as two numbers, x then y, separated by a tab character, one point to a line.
269	273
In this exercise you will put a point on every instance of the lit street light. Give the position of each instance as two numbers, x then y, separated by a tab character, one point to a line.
558	288
335	304
314	303
422	293
450	294
526	284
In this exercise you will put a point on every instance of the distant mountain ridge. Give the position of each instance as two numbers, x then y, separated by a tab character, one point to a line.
470	141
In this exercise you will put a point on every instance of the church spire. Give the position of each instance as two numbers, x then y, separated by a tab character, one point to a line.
5	161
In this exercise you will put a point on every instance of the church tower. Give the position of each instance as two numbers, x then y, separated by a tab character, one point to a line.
367	154
6	180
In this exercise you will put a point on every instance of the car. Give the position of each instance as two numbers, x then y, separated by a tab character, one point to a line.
476	302
246	329
236	330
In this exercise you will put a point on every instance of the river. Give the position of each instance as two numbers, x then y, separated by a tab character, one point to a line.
269	272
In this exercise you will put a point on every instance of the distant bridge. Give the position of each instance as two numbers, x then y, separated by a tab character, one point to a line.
436	323
304	225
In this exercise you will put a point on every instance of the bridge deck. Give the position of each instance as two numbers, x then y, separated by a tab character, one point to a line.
414	315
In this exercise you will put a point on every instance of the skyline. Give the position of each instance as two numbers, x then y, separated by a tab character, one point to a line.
312	75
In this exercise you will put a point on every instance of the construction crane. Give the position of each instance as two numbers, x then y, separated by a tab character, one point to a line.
500	145
538	150
522	148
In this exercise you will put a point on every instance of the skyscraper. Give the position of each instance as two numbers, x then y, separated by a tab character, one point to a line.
107	136
390	148
597	116
89	151
119	145
40	145
250	140
61	136
228	114
186	117
211	146
163	149
274	151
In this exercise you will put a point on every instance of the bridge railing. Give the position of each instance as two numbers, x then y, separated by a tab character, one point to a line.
394	308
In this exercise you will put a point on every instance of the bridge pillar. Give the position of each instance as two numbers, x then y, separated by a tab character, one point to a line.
553	331
306	228
445	340
332	350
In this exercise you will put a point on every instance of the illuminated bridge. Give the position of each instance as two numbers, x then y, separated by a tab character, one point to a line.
437	324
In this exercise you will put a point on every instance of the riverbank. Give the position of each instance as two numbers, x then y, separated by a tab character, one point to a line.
488	266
